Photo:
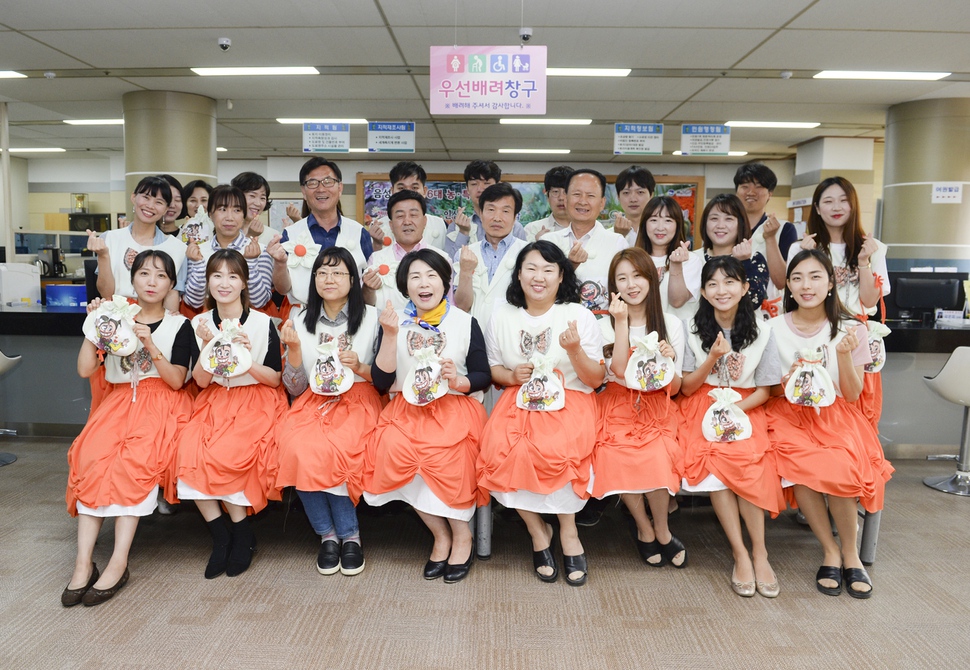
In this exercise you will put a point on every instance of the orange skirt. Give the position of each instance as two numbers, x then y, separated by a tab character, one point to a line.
539	452
127	448
100	388
636	442
439	441
870	400
747	467
228	444
836	452
322	440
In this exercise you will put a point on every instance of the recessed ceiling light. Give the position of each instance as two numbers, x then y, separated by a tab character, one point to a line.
10	74
302	121
876	74
525	121
533	151
37	150
95	122
221	149
358	150
772	124
251	71
587	72
730	153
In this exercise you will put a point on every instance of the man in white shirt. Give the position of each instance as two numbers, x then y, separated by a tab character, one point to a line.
479	175
409	176
555	187
634	188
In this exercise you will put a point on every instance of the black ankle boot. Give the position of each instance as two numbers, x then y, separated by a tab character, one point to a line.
241	551
221	539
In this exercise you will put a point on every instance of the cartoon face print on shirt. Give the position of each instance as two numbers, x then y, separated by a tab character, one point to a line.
130	257
418	340
592	295
344	340
529	343
844	276
140	359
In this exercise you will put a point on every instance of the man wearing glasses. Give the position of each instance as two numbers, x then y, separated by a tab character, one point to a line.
321	184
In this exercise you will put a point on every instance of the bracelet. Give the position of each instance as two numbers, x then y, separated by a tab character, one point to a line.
158	356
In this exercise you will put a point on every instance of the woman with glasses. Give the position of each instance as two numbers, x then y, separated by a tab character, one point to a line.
329	351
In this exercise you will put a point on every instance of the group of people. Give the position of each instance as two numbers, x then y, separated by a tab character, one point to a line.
544	366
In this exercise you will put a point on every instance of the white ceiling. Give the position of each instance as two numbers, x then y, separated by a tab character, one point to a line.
701	61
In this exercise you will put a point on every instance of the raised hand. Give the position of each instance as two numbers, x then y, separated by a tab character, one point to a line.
389	320
808	242
578	255
372	279
203	333
622	225
289	336
867	249
143	333
618	308
848	343
522	373
192	251
467	261
771	226
569	339
681	254
463	223
276	250
742	251
95	244
252	249
720	347
293	212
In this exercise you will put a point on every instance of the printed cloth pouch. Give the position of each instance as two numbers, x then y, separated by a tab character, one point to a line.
224	358
423	383
648	369
330	377
110	327
724	421
877	347
810	385
198	229
544	392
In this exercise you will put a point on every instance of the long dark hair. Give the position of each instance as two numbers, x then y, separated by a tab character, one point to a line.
657	205
643	264
730	204
834	310
237	265
745	329
333	257
852	234
568	288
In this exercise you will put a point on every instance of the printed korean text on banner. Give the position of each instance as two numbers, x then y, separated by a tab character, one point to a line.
488	80
390	137
644	139
724	421
705	139
326	138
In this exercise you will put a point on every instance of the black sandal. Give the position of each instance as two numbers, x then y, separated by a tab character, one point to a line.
571	564
547	559
829	572
671	549
855	576
649	550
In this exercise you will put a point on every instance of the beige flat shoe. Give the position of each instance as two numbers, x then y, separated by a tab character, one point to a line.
743	589
768	590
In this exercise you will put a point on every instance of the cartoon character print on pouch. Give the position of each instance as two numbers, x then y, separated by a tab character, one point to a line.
222	357
423	383
330	377
724	421
877	347
192	232
810	384
648	369
110	327
544	391
222	361
535	395
108	337
592	295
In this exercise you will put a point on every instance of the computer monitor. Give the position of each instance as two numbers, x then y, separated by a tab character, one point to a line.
920	293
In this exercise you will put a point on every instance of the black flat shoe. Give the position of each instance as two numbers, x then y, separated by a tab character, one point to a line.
852	576
829	572
71	597
545	558
571	564
434	569
649	550
328	558
97	596
351	559
242	548
671	549
456	573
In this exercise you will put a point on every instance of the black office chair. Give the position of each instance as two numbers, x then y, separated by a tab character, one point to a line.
7	364
91	278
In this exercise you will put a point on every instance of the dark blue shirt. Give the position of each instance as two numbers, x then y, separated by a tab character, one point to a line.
328	238
787	236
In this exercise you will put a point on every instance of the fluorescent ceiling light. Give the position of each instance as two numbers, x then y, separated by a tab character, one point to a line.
221	149
10	74
544	122
37	150
358	150
876	74
251	71
533	151
587	72
94	122
772	124
730	153
302	121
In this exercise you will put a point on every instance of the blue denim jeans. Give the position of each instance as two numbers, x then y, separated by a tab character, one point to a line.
326	511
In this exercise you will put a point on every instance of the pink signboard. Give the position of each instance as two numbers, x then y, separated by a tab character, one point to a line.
488	80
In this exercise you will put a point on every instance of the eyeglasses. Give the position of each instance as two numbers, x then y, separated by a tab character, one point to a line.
328	182
320	274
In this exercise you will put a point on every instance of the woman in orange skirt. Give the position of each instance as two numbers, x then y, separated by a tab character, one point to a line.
125	451
825	449
546	349
330	346
432	359
728	347
227	453
637	454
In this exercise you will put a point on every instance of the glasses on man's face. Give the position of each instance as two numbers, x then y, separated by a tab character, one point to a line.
328	182
335	275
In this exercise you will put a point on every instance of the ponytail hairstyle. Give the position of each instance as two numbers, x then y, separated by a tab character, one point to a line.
834	310
745	329
235	264
852	233
643	265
